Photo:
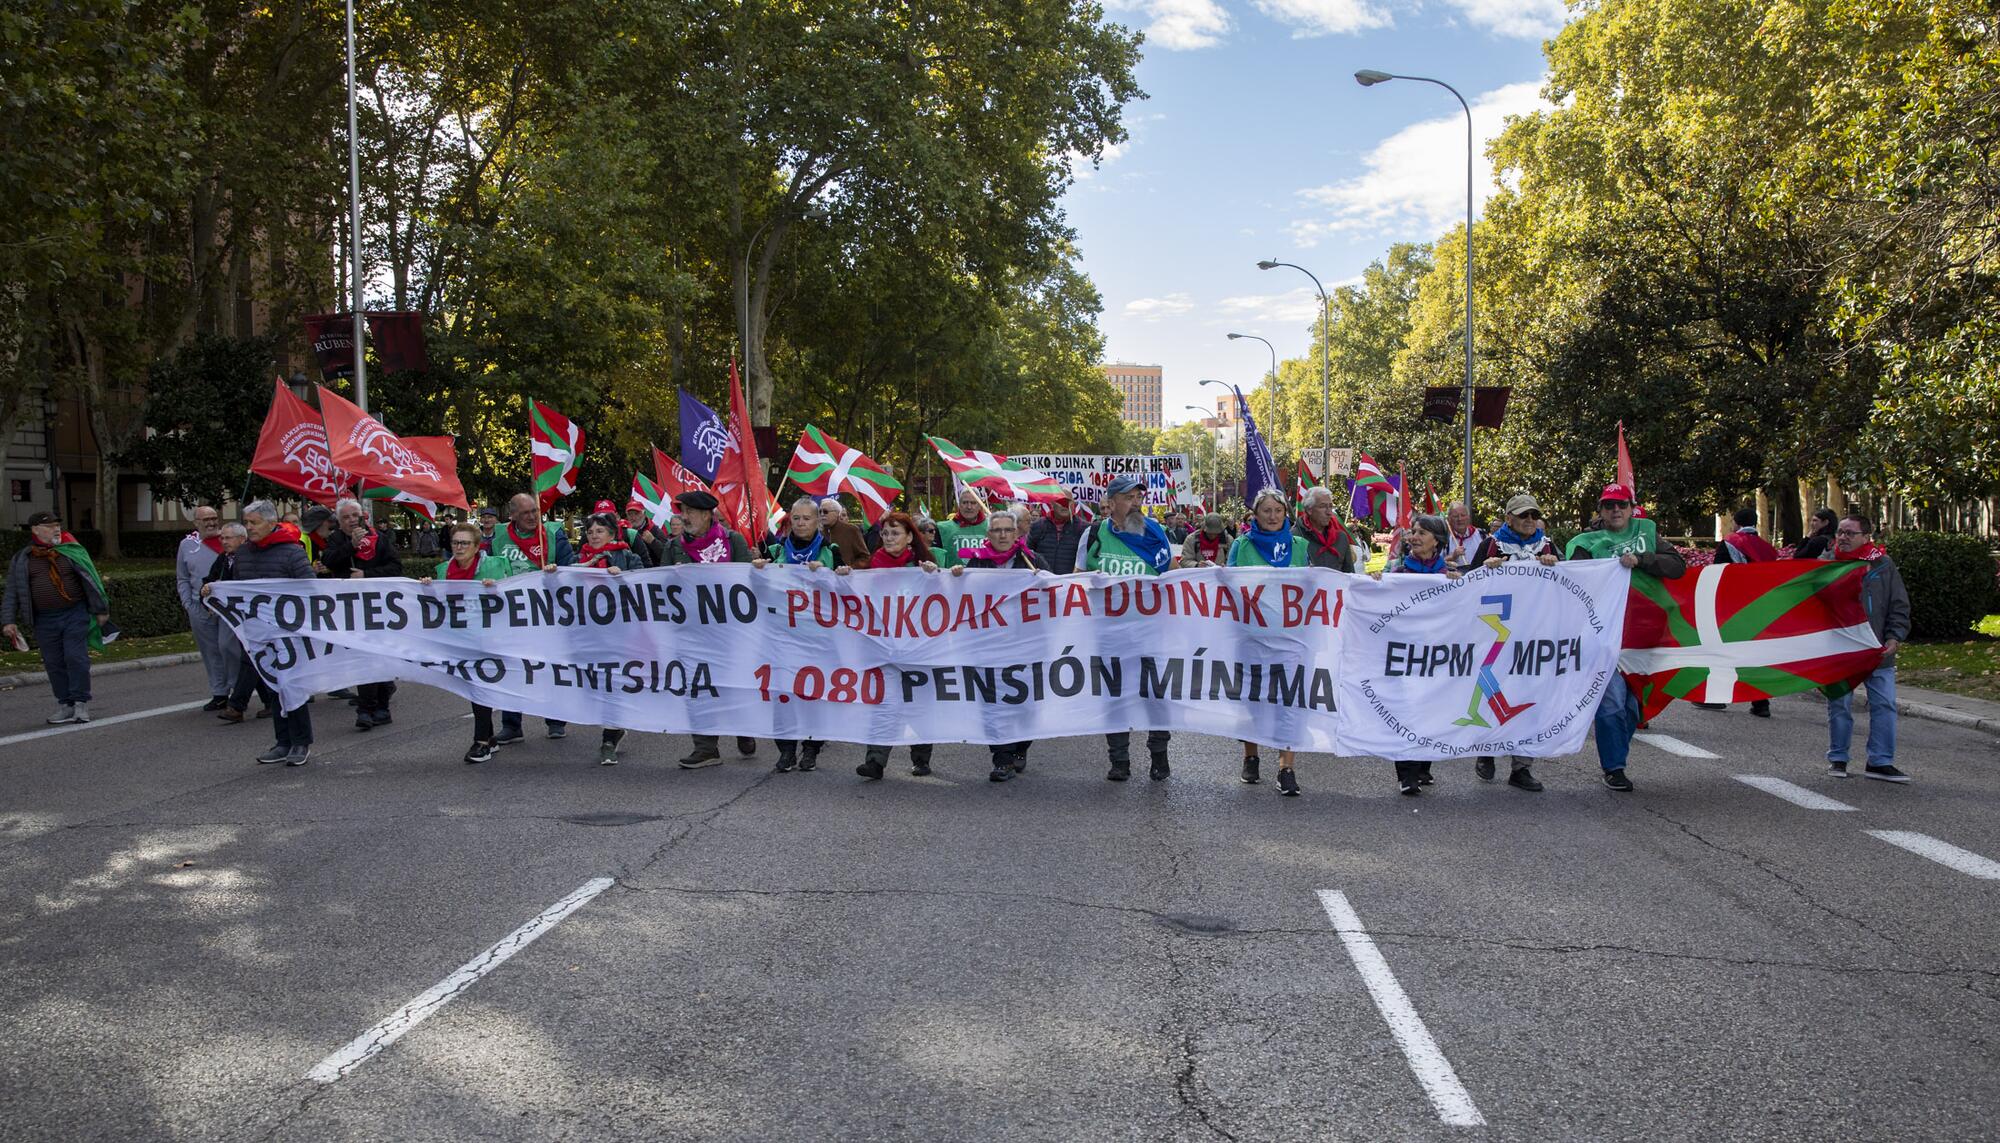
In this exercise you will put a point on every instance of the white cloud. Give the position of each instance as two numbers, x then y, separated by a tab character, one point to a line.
1292	308
1179	25
1158	309
1080	166
1526	19
1413	183
1327	17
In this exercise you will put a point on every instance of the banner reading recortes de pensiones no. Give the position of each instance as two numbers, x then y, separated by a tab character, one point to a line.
883	657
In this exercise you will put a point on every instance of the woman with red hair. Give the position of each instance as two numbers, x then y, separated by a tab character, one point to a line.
902	547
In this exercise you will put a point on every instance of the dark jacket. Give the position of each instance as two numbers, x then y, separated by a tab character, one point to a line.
1056	543
1888	603
1813	547
1339	557
282	559
1490	547
17	606
627	560
850	543
386	561
677	554
335	554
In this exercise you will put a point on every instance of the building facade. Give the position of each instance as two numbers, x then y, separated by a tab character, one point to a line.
1139	386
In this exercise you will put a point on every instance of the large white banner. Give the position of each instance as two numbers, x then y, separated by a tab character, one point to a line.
907	656
1511	660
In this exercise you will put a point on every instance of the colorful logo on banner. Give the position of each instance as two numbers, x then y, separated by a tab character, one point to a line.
1486	687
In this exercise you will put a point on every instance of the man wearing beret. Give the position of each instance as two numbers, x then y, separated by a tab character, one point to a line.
703	539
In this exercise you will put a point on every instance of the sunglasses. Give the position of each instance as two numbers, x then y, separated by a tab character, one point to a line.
1614	503
1530	514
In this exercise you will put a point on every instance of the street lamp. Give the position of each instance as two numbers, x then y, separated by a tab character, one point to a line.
1325	374
1368	77
1274	376
1218	452
1214	466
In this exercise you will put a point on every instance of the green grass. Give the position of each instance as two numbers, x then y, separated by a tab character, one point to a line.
113	567
1970	668
14	662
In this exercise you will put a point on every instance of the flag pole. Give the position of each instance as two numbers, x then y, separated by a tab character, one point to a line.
354	223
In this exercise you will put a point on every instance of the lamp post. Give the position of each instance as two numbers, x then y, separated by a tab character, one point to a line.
1274	375
1239	438
1214	469
1368	77
1325	374
354	221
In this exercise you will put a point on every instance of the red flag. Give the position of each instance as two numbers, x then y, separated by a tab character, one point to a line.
1403	499
747	504
1430	499
1624	476
292	451
365	447
675	478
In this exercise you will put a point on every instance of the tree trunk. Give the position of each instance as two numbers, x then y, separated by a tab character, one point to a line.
100	428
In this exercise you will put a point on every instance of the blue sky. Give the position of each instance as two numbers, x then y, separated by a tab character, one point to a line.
1257	143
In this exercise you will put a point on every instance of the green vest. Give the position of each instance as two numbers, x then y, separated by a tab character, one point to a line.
1110	555
954	540
828	555
489	567
1244	554
516	559
1640	538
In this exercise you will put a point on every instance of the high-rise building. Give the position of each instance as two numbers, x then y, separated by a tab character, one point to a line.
1139	385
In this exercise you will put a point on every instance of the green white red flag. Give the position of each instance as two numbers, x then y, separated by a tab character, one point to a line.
1762	630
653	498
990	472
823	466
1374	493
1304	478
556	445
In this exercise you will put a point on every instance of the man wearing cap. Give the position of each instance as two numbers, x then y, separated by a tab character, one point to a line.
1636	545
1519	539
1128	543
489	522
644	538
52	585
315	532
706	540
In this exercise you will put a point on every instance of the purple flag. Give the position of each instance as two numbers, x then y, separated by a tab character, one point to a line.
1362	503
1259	470
704	437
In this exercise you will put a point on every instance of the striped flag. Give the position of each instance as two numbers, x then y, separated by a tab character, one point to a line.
1372	492
556	444
654	498
1304	478
823	466
992	472
1738	632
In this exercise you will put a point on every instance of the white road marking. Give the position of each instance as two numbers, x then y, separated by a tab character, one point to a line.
114	720
1672	745
410	1015
1795	794
1453	1103
1944	853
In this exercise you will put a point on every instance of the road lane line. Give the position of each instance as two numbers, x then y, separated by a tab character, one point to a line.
1795	794
1944	853
1672	745
114	720
362	1047
1453	1103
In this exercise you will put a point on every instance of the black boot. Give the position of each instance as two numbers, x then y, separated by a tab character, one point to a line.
1160	768
809	757
920	761
1121	769
1484	767
1521	779
1250	770
788	757
871	764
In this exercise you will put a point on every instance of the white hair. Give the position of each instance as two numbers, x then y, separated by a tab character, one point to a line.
838	508
235	527
346	502
1267	494
1315	496
261	508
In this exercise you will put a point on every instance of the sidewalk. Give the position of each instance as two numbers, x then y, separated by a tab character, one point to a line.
1911	702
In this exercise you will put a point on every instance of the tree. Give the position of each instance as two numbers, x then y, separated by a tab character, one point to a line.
204	408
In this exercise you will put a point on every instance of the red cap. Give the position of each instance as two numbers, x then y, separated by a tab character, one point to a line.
603	506
1616	492
634	503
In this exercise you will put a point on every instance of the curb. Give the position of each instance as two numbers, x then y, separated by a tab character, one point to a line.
118	668
1931	712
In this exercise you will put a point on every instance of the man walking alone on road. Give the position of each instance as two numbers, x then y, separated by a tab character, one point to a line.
52	584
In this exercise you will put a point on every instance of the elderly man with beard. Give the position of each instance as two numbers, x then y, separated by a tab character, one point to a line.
1057	536
192	563
1128	543
703	539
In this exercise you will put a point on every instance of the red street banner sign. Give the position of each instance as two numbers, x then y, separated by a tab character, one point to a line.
1489	404
399	341
292	451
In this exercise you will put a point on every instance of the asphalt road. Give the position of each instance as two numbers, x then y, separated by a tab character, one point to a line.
185	936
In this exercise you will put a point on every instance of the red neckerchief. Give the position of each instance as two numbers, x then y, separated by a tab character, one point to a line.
884	559
1868	551
452	570
962	522
591	557
212	543
365	547
1324	539
536	552
284	533
1210	548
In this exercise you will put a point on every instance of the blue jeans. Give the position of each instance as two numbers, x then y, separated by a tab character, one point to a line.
1881	720
64	639
1616	720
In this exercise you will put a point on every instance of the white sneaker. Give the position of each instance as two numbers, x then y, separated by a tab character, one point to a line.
82	713
65	712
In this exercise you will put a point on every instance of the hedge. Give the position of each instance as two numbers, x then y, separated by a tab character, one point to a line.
1951	581
135	545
